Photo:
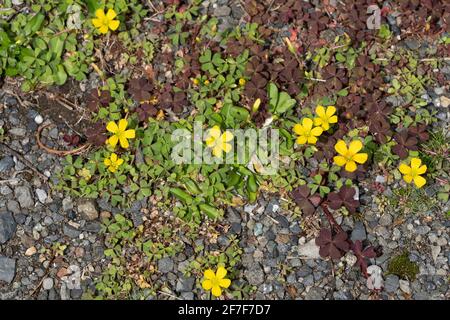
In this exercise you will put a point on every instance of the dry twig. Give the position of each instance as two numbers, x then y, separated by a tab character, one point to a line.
60	153
7	149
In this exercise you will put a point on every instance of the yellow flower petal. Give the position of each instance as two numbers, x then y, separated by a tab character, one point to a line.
415	163
307	124
325	126
355	146
111	14
318	121
113	141
207	284
408	178
341	147
97	23
103	29
298	129
301	140
221	272
227	136
119	162
317	131
339	160
216	291
99	13
124	142
226	147
214	132
113	157
320	111
217	151
209	274
333	119
403	168
210	142
360	158
130	134
312	140
123	123
112	168
112	127
330	111
350	166
422	169
114	24
107	162
225	283
419	181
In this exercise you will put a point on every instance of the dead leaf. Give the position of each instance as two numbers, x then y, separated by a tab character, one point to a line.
160	115
292	291
62	272
142	283
149	71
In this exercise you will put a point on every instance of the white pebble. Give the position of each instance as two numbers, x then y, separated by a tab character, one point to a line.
38	119
47	284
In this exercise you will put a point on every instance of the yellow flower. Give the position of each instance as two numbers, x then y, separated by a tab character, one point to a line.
256	105
104	22
85	174
206	82
325	117
349	156
306	132
242	81
412	173
218	141
196	81
120	133
216	281
113	162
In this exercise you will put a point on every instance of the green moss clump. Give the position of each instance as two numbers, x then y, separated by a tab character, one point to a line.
403	267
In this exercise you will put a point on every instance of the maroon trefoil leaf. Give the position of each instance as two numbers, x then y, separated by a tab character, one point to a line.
362	255
332	246
405	142
96	99
96	134
140	89
145	111
72	140
307	203
343	198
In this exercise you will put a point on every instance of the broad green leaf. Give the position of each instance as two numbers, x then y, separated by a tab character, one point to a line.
273	96
60	75
285	103
56	45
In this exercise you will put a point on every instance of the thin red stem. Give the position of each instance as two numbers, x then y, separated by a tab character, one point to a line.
330	218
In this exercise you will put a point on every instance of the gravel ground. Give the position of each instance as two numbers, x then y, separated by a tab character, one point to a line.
34	219
278	258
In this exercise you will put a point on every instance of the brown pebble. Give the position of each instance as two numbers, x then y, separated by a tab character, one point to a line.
105	215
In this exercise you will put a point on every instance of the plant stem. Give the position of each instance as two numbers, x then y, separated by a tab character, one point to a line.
331	219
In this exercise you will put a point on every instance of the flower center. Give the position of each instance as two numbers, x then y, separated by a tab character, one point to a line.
215	282
307	133
214	142
349	156
120	134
